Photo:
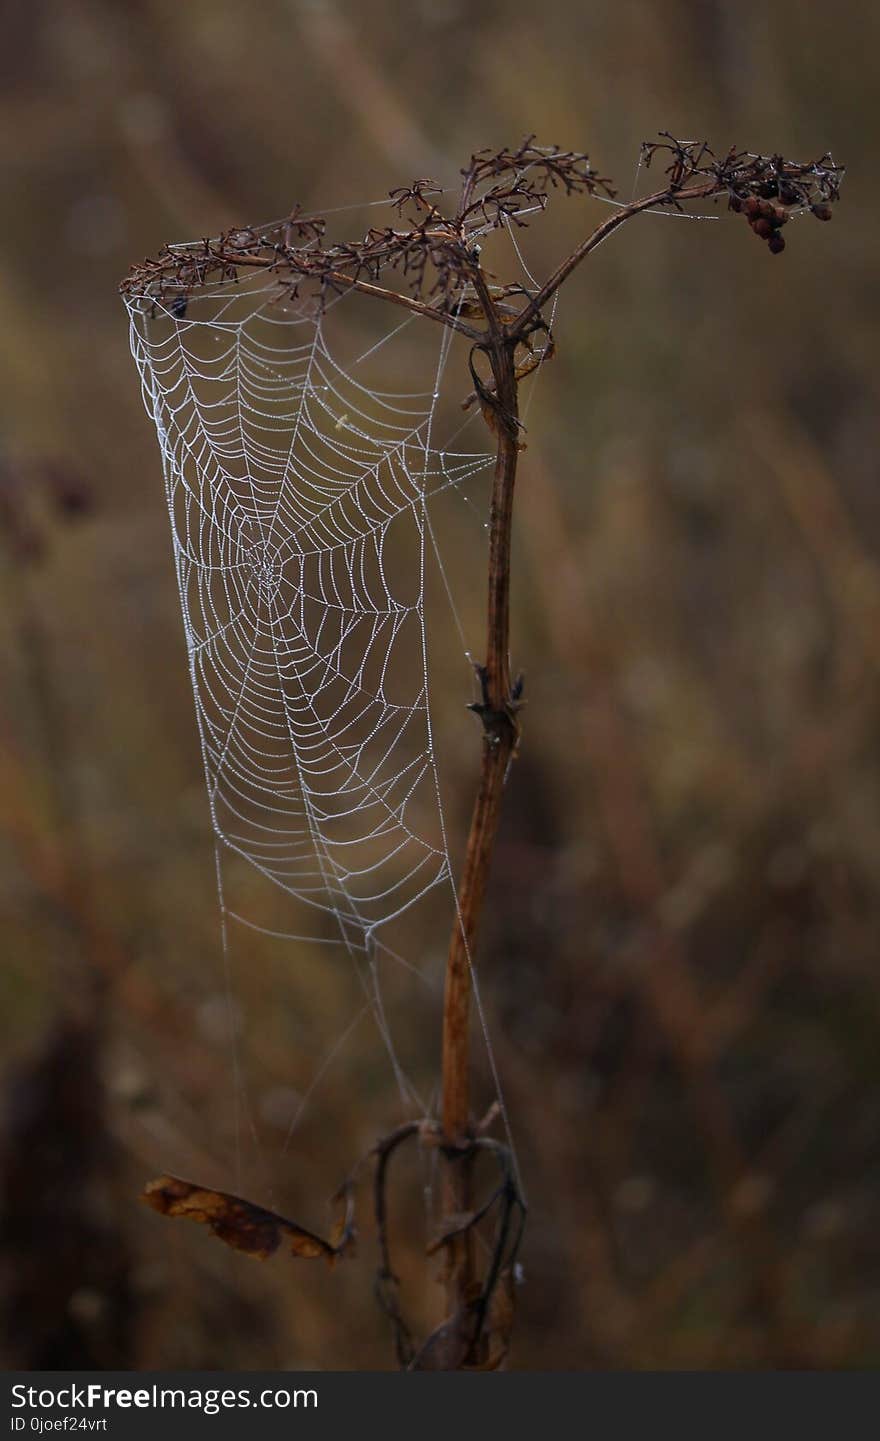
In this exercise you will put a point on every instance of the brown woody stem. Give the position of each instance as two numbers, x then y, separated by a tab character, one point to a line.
500	735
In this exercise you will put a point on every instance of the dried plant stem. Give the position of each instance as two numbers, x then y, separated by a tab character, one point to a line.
500	734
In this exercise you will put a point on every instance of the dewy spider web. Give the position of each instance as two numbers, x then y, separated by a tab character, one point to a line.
293	492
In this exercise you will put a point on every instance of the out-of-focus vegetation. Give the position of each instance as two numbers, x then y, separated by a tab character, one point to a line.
680	958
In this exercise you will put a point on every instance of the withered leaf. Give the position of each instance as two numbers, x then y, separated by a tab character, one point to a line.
454	1346
446	1348
242	1224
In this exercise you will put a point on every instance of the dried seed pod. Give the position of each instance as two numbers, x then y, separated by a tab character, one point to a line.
822	211
774	213
752	207
764	228
776	243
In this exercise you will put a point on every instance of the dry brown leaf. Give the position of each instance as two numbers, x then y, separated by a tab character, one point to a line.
445	1349
240	1223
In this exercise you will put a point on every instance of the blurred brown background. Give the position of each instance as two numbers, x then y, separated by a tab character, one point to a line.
680	954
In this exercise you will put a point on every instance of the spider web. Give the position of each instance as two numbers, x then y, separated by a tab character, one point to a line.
281	518
299	502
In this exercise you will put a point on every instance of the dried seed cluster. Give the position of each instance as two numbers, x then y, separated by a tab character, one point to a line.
766	189
435	254
766	219
768	211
